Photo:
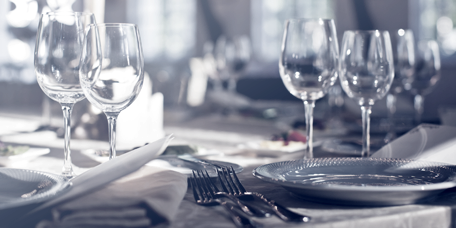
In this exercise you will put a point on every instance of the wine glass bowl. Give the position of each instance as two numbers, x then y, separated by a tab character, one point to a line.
308	63
112	70
366	71
57	61
233	55
427	74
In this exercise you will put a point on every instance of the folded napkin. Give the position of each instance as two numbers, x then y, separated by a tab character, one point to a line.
426	142
143	199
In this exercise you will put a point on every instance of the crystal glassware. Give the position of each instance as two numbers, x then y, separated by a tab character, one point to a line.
366	72
427	74
404	62
308	64
57	55
112	70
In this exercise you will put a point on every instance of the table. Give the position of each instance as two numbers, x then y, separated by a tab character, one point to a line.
439	212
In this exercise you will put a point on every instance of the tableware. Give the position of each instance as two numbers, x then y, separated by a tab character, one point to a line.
404	63
233	186
360	181
112	70
57	53
308	64
185	166
105	173
212	189
233	54
202	197
28	155
22	187
366	72
427	74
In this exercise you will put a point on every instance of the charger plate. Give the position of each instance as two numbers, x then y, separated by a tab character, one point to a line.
360	181
20	187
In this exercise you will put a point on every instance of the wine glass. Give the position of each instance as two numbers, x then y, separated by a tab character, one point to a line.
366	72
308	64
404	68
57	54
112	70
427	74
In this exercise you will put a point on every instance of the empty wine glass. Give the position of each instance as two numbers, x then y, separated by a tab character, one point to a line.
404	68
233	55
57	54
366	72
427	74
111	72
308	64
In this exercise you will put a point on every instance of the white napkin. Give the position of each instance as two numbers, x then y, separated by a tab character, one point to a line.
98	177
426	142
147	197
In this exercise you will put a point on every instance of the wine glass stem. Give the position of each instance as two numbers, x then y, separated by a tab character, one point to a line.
419	108
112	119
308	109
391	100
232	84
67	170
366	111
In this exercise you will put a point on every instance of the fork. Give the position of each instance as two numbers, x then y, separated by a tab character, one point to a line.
233	186
247	208
205	198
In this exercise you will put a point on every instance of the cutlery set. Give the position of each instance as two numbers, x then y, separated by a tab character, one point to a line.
241	204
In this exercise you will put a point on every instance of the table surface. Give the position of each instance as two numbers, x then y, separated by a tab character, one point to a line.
214	135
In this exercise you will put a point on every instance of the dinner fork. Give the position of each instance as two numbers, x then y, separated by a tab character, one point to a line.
231	184
247	208
204	197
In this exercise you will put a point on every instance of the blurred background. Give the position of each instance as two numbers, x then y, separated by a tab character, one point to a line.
180	37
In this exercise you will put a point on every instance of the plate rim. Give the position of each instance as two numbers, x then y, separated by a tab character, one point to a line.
63	185
355	188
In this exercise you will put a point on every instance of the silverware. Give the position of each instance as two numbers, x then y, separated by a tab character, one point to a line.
231	184
203	197
247	207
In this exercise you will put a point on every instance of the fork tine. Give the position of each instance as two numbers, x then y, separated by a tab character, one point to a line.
223	180
237	182
208	180
203	186
230	181
196	193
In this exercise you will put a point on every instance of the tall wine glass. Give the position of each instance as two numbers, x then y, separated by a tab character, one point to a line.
57	54
111	72
404	69
308	64
366	72
427	74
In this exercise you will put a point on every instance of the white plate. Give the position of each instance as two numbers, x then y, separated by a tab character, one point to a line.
30	154
360	181
22	187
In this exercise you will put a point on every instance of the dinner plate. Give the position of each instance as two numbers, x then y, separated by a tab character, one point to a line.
360	181
186	166
20	187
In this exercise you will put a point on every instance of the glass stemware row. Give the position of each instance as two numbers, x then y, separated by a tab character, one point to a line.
76	58
310	64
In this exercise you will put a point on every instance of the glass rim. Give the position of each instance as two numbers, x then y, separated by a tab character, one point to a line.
67	13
